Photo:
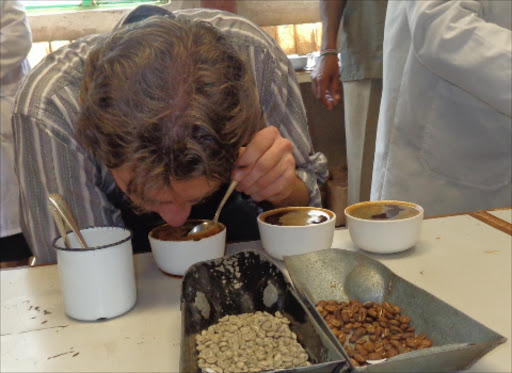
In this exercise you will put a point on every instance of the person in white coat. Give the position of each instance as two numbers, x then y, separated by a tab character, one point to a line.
15	44
444	137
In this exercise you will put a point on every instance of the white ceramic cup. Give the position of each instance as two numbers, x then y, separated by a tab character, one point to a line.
97	282
283	240
384	236
175	257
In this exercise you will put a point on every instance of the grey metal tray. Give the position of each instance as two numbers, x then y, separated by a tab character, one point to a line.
242	283
459	341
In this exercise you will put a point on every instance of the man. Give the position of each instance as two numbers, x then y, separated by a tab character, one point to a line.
15	44
360	46
157	117
444	137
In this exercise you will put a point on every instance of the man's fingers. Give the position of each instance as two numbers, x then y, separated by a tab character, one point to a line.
259	144
286	165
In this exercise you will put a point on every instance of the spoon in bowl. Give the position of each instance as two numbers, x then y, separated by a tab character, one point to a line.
64	218
205	225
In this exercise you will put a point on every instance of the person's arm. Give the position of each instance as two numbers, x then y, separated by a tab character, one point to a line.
331	12
297	170
452	39
16	36
270	175
48	161
325	80
281	102
48	158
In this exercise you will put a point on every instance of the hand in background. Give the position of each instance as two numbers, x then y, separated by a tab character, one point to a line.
325	80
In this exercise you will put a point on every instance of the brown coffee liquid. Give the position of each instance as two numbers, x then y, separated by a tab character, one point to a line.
168	233
384	211
297	217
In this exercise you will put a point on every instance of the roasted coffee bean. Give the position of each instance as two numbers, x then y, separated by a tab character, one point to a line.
396	337
359	358
394	322
337	323
346	315
404	319
374	356
370	329
360	349
389	315
391	352
378	330
369	346
362	314
386	333
395	329
342	338
331	308
395	343
411	342
368	305
425	343
349	350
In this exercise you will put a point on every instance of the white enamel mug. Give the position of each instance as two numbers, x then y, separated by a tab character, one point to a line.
97	282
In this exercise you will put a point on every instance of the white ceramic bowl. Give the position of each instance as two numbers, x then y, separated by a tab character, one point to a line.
175	256
282	240
298	62
371	231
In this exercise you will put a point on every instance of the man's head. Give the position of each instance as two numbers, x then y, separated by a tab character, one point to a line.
167	100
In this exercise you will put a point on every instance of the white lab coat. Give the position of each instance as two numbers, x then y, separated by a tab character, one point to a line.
15	44
444	137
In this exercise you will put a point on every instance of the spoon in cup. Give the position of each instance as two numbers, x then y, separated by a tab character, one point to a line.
64	218
206	225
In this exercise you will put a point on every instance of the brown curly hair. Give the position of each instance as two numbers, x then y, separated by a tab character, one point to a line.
170	99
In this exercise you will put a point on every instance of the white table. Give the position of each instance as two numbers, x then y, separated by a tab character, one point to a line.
460	259
502	214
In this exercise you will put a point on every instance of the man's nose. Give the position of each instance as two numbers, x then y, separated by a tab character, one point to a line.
175	215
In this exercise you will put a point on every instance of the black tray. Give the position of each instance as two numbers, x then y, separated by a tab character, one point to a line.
249	282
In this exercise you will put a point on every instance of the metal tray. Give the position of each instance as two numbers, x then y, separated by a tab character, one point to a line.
459	341
249	282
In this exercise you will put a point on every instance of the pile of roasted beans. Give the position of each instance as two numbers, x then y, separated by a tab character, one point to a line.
371	331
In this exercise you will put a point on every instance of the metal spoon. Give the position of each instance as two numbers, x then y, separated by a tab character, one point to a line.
64	218
204	226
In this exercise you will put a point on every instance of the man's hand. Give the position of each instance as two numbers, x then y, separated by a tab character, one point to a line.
269	172
325	80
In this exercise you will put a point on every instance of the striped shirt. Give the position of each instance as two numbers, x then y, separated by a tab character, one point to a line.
50	160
